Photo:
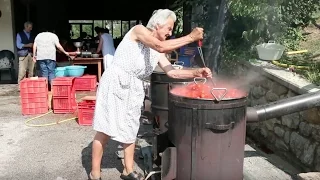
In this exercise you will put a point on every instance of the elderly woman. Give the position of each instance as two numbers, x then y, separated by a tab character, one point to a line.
121	94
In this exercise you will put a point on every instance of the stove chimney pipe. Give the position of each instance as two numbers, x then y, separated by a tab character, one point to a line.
283	107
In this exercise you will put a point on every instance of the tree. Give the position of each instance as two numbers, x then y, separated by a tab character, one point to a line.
246	23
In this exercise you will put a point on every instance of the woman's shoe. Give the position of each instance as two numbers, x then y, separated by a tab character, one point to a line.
132	176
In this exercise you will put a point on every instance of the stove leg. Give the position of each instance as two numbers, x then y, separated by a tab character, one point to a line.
169	164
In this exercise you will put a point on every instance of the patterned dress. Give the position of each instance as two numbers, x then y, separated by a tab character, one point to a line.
120	94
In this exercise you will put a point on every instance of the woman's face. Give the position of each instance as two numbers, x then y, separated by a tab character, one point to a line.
165	30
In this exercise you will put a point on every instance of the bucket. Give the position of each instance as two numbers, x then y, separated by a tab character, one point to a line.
270	51
186	59
60	72
75	71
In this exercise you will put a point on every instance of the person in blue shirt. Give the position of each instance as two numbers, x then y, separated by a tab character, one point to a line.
24	43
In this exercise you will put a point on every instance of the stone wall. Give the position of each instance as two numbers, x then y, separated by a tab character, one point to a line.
296	136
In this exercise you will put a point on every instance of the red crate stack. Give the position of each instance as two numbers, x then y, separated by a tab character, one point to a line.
86	83
63	95
86	111
34	96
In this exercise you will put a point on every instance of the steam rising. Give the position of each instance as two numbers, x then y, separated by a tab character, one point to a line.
241	83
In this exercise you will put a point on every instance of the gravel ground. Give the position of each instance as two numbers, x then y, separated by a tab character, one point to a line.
54	152
63	151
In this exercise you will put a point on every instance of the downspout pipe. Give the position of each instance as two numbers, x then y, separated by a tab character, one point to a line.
283	107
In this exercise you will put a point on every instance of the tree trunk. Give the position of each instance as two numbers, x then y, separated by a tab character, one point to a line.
216	27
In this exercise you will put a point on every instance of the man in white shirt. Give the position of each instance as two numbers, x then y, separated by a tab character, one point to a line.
106	46
44	50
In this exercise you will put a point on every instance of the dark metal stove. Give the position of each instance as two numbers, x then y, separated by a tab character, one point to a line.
209	137
159	98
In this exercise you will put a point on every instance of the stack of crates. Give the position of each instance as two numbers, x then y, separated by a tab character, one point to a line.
86	111
63	95
86	83
34	96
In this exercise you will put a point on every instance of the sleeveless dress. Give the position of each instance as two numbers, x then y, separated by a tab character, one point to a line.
120	93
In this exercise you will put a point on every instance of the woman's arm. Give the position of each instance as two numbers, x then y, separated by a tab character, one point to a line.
34	49
142	34
182	73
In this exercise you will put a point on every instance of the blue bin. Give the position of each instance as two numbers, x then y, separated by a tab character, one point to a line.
75	71
186	59
61	72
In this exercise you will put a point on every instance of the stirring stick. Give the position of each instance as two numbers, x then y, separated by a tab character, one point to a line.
202	58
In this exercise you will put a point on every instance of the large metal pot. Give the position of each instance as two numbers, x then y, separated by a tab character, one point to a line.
209	136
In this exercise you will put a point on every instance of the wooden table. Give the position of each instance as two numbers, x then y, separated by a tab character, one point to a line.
81	61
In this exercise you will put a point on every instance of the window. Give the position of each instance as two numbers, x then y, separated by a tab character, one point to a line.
80	21
133	23
108	24
117	28
75	31
87	28
125	27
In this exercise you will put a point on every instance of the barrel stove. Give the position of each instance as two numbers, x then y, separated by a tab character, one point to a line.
159	106
208	136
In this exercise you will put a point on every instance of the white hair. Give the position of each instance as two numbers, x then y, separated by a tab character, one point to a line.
159	17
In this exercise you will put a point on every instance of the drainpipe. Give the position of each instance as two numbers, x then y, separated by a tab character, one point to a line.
283	107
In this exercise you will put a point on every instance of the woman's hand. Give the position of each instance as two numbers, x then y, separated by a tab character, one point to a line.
196	34
203	72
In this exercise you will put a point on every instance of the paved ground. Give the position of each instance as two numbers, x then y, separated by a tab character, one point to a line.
64	151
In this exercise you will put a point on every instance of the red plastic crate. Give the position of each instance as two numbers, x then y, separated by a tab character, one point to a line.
86	112
64	105
63	86
85	117
63	95
34	96
86	83
35	108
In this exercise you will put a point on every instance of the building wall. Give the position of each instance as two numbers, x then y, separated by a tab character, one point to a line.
6	28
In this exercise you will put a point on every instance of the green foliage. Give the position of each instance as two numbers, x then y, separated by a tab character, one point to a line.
263	20
179	23
280	20
253	22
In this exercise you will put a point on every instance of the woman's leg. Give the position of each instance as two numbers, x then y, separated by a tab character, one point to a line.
128	158
99	142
